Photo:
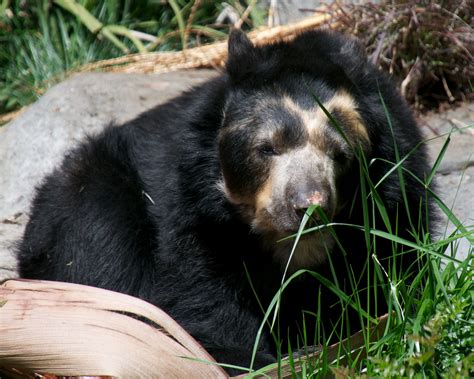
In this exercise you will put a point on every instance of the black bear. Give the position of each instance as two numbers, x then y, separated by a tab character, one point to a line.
188	205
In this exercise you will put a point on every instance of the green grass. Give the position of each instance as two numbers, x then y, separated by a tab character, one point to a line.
430	327
429	332
41	41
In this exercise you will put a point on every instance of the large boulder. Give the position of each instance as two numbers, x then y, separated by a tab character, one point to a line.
455	178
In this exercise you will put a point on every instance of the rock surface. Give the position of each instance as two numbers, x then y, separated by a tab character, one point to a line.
455	177
288	11
34	143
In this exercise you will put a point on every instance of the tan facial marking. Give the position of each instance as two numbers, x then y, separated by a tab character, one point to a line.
261	220
315	118
263	196
312	118
344	103
340	100
232	197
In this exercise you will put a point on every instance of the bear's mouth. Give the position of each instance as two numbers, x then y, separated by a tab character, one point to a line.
310	250
306	233
286	222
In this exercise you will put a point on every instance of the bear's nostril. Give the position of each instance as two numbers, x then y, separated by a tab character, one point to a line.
302	201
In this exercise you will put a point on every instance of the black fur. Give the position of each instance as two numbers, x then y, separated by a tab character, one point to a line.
137	209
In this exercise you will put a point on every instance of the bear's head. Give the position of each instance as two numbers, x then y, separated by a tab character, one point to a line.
279	151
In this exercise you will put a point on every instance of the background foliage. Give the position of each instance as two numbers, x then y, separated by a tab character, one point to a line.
41	40
425	45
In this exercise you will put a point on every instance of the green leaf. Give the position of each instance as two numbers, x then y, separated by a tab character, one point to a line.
439	158
123	31
89	21
179	18
106	32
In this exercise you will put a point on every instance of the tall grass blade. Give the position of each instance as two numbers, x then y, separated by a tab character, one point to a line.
106	32
397	159
89	21
180	20
438	160
303	223
123	31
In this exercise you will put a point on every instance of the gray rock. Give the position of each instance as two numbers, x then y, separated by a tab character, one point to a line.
458	125
455	176
456	189
288	11
33	145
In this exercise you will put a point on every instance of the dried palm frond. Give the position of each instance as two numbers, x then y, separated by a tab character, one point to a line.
55	329
212	55
65	329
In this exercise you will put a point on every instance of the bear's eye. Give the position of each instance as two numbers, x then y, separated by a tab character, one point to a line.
267	149
340	157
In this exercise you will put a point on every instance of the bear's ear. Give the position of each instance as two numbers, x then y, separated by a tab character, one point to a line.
354	56
242	57
239	44
354	47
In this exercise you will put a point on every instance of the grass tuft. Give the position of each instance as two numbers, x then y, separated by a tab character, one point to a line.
41	41
430	326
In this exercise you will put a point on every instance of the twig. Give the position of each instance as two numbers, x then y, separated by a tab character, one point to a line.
143	36
190	21
245	15
272	14
461	126
7	117
376	54
447	90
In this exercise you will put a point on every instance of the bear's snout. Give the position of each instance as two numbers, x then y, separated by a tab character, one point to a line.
300	199
301	196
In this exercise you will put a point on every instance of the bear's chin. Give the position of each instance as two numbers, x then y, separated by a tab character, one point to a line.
311	250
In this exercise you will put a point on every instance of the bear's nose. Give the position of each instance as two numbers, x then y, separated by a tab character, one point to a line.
302	200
